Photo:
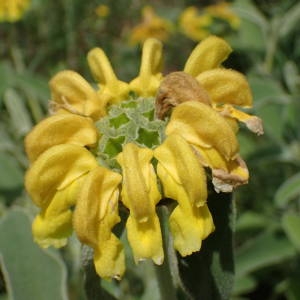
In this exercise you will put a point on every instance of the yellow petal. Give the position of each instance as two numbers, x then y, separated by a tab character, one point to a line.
148	81
226	86
200	125
145	239
53	225
253	123
177	156
140	194
95	216
72	93
60	129
112	90
55	169
209	54
189	224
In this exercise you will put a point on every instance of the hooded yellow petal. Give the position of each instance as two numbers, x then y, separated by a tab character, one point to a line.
177	156
55	169
209	54
60	129
140	194
226	86
72	93
54	224
148	81
95	216
111	90
200	125
189	224
253	123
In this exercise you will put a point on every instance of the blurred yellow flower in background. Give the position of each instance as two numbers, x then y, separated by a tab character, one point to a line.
197	23
102	11
151	26
194	25
129	145
222	11
13	10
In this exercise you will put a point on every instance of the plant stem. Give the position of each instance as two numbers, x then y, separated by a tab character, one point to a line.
92	285
163	272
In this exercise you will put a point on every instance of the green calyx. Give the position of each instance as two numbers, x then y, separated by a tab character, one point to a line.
131	121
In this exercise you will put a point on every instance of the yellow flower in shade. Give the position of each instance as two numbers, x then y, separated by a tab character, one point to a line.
198	24
102	11
126	146
193	25
222	11
13	10
151	26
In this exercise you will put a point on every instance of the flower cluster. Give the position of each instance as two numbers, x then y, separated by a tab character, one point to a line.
151	26
129	145
12	10
195	23
215	19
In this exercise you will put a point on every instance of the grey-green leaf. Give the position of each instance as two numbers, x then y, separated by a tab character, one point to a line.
288	191
30	272
291	226
267	249
18	113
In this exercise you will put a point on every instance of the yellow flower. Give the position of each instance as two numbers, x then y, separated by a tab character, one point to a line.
151	26
13	10
113	148
222	11
102	11
197	24
194	26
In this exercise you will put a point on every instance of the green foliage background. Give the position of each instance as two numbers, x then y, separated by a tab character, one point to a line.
56	35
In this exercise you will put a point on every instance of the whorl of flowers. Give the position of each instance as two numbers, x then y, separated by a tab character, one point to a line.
126	146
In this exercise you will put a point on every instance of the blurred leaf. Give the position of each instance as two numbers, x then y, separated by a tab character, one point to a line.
288	191
264	88
30	272
292	76
293	290
11	175
250	220
291	226
17	111
251	33
34	85
243	284
290	20
209	273
267	249
7	78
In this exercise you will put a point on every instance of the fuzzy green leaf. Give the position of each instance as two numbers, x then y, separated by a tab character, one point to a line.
291	226
288	191
267	249
30	272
